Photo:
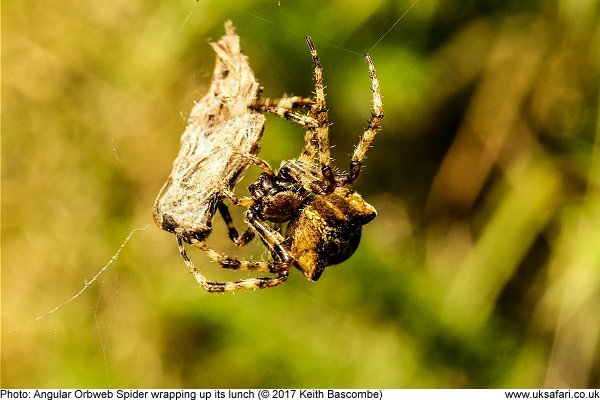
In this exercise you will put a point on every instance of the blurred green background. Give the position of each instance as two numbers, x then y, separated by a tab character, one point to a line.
481	270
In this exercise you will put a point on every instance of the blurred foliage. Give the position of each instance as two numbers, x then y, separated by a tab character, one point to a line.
481	270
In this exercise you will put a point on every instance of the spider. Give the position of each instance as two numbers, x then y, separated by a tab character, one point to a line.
324	215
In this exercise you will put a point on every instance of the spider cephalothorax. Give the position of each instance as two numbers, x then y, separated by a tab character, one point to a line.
323	216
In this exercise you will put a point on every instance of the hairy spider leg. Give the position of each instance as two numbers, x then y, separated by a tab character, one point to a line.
319	111
249	234
246	237
285	102
281	269
316	122
238	201
301	171
272	239
282	261
260	163
374	125
284	107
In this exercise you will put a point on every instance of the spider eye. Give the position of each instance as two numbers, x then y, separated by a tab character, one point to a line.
284	172
266	183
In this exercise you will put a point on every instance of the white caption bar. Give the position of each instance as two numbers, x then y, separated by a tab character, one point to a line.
298	394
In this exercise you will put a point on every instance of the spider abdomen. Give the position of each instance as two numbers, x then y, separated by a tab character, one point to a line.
327	230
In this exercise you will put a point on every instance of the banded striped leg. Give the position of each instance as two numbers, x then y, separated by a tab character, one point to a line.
374	125
282	260
319	112
272	239
238	201
284	107
249	234
246	237
262	164
281	269
308	177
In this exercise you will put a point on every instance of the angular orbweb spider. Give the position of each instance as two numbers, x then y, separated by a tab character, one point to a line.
324	216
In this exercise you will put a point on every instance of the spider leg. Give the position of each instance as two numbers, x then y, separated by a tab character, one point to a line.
318	110
288	103
238	201
310	179
272	239
284	107
237	264
282	260
282	270
372	129
260	163
246	237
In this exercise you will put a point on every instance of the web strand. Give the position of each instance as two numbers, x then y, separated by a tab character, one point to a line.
188	16
392	27
297	33
329	44
88	283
